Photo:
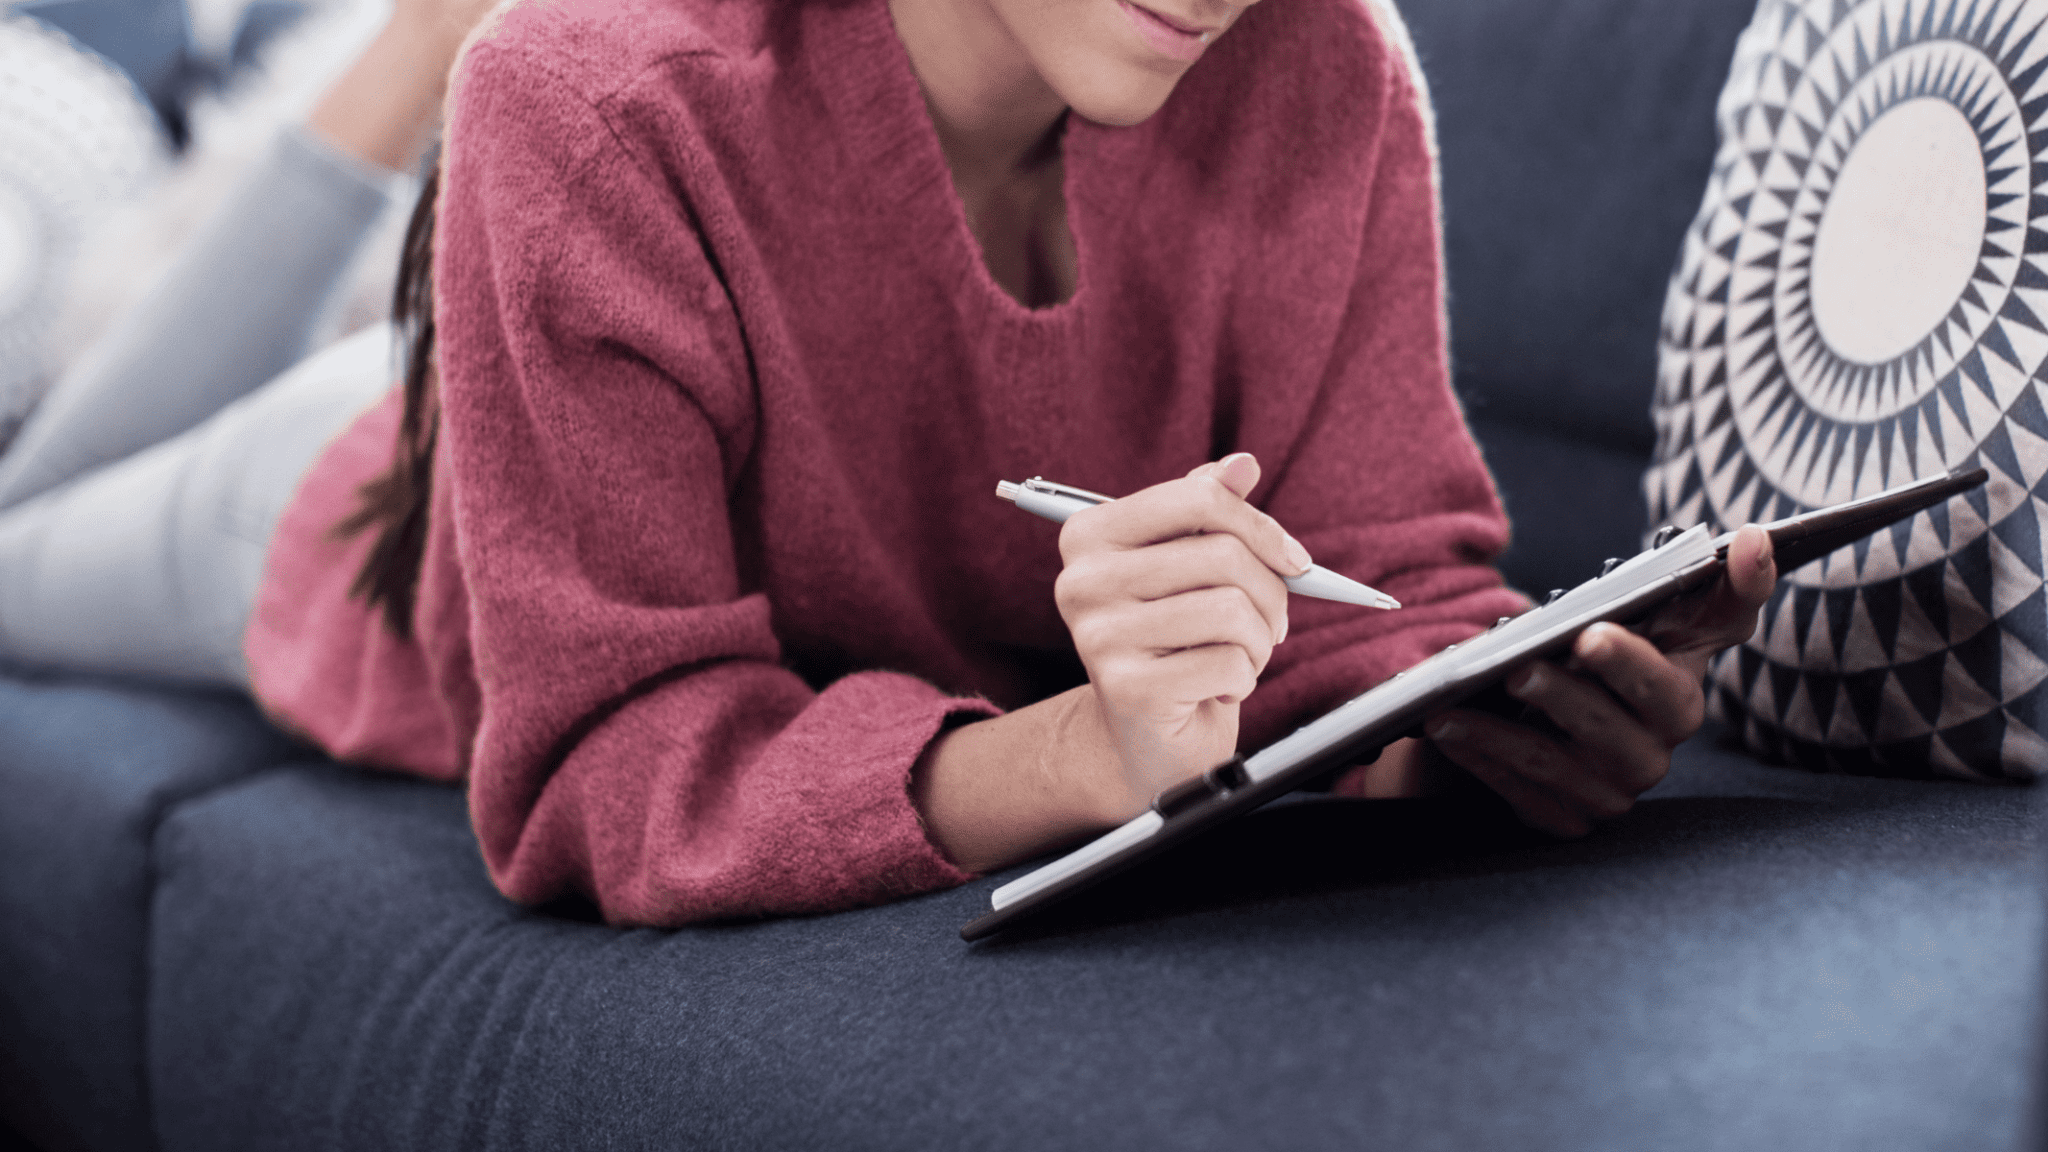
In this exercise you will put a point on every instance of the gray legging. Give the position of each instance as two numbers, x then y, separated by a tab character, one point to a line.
138	501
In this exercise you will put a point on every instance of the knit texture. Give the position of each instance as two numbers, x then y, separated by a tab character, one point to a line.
726	391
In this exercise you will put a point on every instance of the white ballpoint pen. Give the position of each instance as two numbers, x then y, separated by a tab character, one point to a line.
1056	502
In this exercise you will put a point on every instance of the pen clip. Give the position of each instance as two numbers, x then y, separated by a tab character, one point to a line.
1041	484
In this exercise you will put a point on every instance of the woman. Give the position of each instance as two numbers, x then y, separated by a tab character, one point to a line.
741	311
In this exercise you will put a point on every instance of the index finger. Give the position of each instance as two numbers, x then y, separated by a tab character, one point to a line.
1210	499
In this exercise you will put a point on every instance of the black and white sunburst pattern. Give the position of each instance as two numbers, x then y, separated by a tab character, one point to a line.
1862	300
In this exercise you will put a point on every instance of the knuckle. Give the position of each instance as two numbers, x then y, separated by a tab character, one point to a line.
1118	677
1260	627
1243	677
1555	816
1085	575
1649	772
1610	805
1077	536
1092	634
1213	497
1548	818
1634	684
1532	759
1244	604
1076	529
1230	605
1267	594
1611	653
1070	591
1642	780
1257	655
1692	712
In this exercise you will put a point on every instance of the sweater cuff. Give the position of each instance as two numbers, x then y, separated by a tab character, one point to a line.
894	847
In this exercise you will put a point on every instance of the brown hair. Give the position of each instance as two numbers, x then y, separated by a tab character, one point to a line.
395	503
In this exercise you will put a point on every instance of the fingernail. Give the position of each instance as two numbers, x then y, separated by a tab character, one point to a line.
1524	680
1446	730
1281	637
1763	559
1297	555
1233	458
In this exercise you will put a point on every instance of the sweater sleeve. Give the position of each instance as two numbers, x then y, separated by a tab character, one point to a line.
638	739
1381	480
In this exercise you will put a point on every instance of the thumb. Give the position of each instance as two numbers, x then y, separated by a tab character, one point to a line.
1238	472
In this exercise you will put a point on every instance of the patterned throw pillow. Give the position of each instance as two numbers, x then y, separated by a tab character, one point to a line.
1863	300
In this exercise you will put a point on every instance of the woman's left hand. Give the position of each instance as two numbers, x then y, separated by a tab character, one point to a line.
1620	704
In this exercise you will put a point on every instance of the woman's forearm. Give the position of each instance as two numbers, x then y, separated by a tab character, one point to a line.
1005	789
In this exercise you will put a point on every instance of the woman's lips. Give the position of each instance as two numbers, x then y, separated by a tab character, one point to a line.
1164	35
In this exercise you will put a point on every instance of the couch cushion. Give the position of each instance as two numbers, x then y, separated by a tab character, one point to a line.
87	768
1576	137
1571	503
1753	959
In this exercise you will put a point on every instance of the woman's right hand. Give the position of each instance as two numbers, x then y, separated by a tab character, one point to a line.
1174	600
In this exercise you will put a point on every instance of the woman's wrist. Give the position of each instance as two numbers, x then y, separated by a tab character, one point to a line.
1005	789
1081	760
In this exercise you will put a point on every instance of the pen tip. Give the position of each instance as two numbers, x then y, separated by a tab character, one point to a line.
1006	490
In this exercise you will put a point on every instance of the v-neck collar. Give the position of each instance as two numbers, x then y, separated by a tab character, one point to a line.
892	120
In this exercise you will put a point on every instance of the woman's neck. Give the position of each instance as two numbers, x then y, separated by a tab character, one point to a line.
992	109
998	124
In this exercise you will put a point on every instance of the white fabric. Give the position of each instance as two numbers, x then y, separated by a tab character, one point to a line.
151	565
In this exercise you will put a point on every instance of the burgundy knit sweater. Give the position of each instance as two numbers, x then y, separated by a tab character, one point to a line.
726	391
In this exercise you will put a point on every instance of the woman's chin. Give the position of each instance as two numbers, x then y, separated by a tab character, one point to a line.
1121	107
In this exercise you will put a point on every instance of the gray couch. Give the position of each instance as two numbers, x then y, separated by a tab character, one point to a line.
215	940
